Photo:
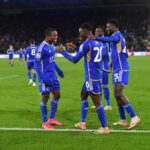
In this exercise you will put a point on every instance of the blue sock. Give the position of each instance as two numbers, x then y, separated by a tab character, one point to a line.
107	95
129	109
84	110
43	108
121	112
101	115
54	104
29	75
34	77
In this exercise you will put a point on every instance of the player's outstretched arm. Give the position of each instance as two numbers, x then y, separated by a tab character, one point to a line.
108	39
73	59
59	71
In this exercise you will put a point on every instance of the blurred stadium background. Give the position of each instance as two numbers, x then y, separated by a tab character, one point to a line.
21	20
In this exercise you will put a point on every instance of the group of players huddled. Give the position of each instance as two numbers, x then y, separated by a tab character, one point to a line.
97	65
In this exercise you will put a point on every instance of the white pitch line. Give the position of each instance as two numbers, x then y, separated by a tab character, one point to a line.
72	130
8	77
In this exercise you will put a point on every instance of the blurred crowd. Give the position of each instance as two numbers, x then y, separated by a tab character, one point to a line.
18	29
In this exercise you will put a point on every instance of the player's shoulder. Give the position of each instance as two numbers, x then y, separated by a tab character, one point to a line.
42	46
117	33
88	42
95	43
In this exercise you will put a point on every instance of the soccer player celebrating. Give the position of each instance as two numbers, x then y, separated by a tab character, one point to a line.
120	66
91	51
99	31
46	68
30	56
10	52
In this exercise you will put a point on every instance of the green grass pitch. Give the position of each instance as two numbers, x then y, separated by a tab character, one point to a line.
19	107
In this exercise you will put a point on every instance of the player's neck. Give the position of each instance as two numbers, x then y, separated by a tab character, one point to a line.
49	42
116	30
89	35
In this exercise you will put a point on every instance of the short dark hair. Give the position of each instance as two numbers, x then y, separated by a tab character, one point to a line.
49	30
86	26
32	41
114	22
101	27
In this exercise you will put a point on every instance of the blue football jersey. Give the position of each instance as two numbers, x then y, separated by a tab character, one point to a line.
105	58
20	52
118	49
10	51
45	60
30	53
119	54
92	52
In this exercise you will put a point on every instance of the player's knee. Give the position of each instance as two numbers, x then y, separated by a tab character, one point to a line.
117	94
45	98
83	95
56	96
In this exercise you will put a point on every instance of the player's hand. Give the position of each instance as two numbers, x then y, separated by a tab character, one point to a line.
92	37
60	48
70	45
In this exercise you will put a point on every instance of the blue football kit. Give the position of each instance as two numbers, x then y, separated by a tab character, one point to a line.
30	56
119	57
92	52
46	68
10	52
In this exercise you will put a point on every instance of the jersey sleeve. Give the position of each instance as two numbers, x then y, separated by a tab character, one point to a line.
59	71
37	63
84	48
114	38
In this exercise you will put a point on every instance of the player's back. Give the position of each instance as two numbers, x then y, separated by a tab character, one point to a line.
30	52
92	59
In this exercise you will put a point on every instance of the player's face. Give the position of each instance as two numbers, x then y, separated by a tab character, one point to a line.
11	47
99	32
53	37
83	34
110	28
